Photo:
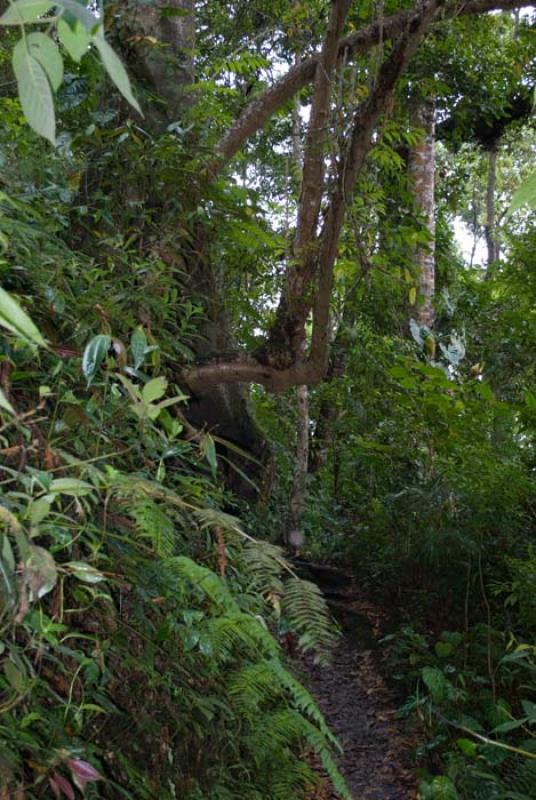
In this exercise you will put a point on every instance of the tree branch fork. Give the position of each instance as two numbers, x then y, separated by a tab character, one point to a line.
280	363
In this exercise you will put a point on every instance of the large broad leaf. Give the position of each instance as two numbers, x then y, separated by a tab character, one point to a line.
35	93
94	354
525	195
80	12
115	69
25	11
15	319
47	52
436	683
70	486
75	38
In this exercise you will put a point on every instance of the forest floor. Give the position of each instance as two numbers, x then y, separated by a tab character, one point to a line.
361	708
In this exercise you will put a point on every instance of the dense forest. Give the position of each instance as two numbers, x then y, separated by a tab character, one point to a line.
267	400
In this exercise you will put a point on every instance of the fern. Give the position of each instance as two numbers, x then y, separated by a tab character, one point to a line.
306	610
279	730
230	633
206	581
153	524
258	684
265	562
301	602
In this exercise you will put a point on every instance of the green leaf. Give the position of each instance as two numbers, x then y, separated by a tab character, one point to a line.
25	11
80	12
85	572
440	788
75	39
70	486
210	454
47	52
94	354
443	649
153	390
511	725
14	676
41	571
35	93
39	509
467	746
16	320
530	710
115	69
138	345
524	195
6	553
5	404
435	682
412	295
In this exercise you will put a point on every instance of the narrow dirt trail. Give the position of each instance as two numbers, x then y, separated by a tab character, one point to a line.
361	708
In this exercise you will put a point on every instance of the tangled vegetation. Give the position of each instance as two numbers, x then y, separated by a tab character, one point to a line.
240	328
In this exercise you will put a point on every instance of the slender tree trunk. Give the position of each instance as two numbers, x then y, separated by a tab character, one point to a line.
299	486
491	224
298	495
422	175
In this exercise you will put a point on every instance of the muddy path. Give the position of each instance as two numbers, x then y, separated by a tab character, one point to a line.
359	705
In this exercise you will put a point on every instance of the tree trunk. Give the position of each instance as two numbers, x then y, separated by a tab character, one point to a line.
491	226
422	175
159	48
298	494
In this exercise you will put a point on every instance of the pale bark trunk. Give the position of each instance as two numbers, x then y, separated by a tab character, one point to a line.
491	224
422	175
161	53
298	495
301	464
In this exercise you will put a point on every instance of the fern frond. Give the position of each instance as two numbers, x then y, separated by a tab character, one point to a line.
204	580
305	702
229	633
304	606
254	686
264	563
262	683
288	727
153	524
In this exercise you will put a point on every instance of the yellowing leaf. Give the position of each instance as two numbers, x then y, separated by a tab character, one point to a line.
412	295
154	390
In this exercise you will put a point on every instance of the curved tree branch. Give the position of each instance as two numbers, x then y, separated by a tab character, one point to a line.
261	108
288	330
279	374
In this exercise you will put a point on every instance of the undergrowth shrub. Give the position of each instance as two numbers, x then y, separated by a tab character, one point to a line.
139	655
